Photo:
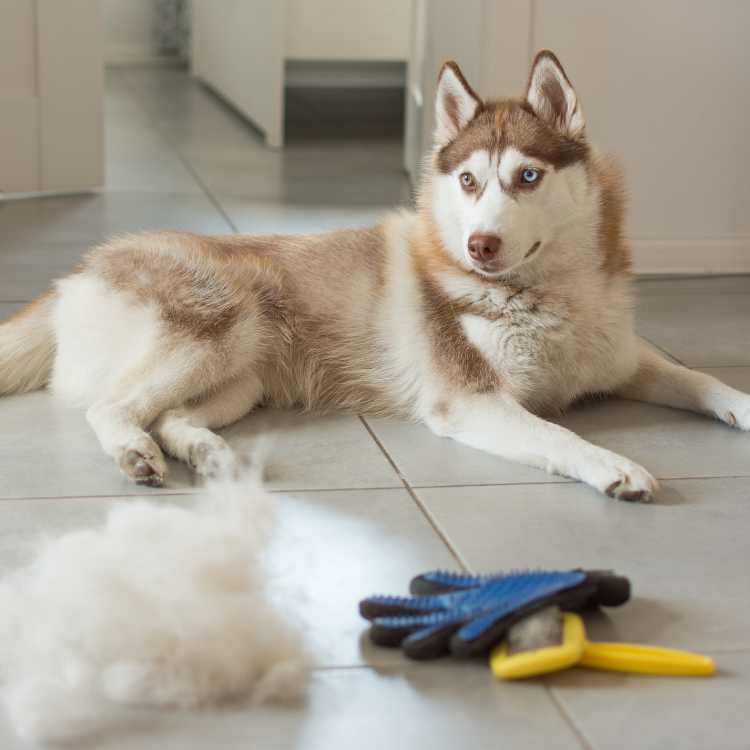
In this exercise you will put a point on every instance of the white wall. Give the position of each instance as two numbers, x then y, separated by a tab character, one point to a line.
376	30
128	30
667	85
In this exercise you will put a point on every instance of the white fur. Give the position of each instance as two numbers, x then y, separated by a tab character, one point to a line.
565	200
161	606
511	159
406	365
500	425
118	333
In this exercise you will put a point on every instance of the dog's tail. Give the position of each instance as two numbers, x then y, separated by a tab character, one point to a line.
27	347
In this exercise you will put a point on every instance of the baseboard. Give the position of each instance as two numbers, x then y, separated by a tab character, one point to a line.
710	256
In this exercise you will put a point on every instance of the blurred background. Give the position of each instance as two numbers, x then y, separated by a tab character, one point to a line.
301	115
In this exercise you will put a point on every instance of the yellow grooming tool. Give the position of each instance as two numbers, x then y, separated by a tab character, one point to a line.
560	642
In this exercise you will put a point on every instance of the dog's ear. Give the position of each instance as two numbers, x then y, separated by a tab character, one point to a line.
552	97
456	103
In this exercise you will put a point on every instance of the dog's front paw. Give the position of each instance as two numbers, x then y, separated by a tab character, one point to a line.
737	414
623	479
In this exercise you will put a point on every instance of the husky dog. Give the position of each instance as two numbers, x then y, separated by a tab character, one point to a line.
506	295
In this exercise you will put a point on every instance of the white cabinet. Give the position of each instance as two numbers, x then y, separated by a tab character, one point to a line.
51	122
240	46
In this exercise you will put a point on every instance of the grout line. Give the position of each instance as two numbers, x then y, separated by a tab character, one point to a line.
425	511
567	717
183	160
561	482
349	667
202	185
494	484
192	492
404	484
120	496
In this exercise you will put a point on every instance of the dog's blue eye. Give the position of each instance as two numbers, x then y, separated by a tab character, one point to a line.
530	175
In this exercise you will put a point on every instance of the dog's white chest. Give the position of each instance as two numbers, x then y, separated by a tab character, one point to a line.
547	351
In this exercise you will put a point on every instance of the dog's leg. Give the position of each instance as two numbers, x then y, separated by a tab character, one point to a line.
119	427
149	388
660	381
498	424
185	432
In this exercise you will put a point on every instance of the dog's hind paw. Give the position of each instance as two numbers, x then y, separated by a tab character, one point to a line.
212	457
144	463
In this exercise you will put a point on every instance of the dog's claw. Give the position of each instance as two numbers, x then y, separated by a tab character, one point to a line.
612	487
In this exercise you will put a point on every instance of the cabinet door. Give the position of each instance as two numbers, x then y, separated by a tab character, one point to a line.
71	94
238	49
19	107
51	96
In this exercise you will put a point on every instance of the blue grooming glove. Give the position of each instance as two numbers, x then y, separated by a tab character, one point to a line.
467	615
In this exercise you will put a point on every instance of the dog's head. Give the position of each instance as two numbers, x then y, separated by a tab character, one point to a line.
508	175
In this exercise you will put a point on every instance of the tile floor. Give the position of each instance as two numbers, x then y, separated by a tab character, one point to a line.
375	501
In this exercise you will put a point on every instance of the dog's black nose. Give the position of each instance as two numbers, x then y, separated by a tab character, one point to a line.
484	247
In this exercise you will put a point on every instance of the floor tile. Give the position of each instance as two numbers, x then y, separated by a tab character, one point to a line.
668	442
9	308
254	217
94	217
693	285
330	550
28	268
737	377
335	548
619	712
707	325
304	451
165	174
300	159
139	157
315	190
312	451
684	554
47	449
426	460
441	707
